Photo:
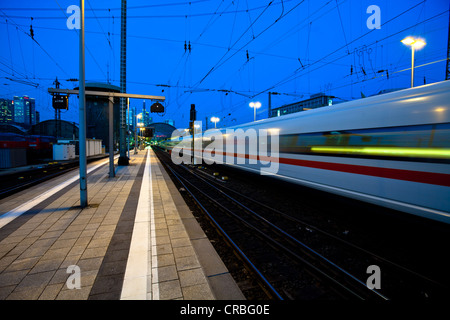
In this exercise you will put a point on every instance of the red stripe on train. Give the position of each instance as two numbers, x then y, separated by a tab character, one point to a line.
441	179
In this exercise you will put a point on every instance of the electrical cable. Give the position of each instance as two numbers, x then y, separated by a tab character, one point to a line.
86	47
219	63
45	51
180	16
294	74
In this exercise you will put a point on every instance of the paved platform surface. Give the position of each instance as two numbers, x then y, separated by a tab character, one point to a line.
137	239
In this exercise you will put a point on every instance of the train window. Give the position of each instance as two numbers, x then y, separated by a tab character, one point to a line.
336	138
289	143
440	136
421	141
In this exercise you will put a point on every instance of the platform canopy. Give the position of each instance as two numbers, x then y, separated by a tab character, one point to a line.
109	94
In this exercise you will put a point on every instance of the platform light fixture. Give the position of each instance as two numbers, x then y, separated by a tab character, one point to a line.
415	44
215	120
254	105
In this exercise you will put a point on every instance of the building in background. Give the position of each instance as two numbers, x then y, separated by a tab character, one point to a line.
315	101
66	130
19	110
161	131
170	121
6	111
146	119
131	116
97	114
24	110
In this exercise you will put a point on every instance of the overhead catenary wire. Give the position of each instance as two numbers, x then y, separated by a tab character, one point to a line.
162	16
100	25
21	50
241	103
268	57
214	17
220	62
211	70
198	44
23	31
232	46
342	25
234	24
335	60
392	73
294	74
86	47
128	8
10	48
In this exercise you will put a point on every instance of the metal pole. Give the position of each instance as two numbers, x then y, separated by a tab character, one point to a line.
192	118
135	132
135	135
123	159
128	128
111	137
412	66
254	113
82	129
57	83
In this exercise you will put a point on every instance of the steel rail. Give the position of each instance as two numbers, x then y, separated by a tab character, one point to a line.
315	253
229	239
345	242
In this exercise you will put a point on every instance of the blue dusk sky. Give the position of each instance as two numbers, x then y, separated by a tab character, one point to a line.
240	51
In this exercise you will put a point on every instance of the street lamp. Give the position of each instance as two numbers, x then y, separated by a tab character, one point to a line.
215	120
415	44
138	124
254	105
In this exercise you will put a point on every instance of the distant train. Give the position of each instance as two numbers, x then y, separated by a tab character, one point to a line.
12	141
392	150
37	146
36	142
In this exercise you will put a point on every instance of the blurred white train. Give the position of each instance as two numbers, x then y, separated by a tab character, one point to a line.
392	150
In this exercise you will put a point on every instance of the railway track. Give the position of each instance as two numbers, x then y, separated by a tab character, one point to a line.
415	285
280	246
17	181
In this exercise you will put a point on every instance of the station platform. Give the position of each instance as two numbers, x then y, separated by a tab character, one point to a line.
136	240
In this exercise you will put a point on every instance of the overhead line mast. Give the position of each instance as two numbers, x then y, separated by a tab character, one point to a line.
123	159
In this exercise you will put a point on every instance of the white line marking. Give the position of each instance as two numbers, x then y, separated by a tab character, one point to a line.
13	214
139	266
154	264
